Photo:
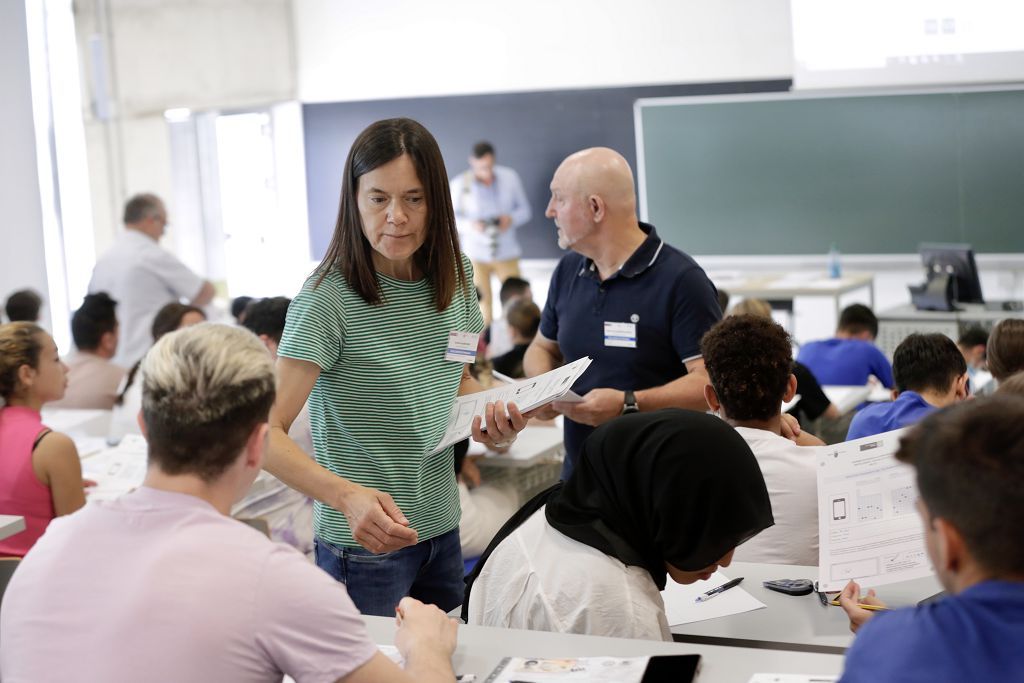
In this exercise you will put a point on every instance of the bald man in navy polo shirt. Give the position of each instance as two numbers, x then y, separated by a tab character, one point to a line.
624	297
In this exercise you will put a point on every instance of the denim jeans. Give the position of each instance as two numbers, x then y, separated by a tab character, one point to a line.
430	571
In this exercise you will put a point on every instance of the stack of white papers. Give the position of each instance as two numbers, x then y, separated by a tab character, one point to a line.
527	394
593	669
681	606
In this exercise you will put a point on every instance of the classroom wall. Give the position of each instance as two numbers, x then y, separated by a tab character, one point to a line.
356	50
147	57
22	260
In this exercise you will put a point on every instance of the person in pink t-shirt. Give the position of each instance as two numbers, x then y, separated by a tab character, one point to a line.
40	474
162	584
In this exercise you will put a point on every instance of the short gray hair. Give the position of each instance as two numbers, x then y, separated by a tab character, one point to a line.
204	389
140	207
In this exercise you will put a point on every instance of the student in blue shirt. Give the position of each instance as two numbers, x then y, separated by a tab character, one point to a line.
970	474
850	357
930	373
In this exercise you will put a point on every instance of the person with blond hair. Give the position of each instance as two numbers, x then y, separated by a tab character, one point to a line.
40	474
162	584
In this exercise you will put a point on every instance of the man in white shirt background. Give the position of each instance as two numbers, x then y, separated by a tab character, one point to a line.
490	204
142	277
749	360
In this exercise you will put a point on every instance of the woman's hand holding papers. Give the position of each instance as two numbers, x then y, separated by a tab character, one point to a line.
850	600
502	428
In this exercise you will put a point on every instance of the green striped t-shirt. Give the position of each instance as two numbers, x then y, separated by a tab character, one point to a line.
384	393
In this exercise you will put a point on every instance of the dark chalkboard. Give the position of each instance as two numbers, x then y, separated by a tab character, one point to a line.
532	132
873	174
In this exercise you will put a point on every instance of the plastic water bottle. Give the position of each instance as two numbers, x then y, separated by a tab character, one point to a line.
835	269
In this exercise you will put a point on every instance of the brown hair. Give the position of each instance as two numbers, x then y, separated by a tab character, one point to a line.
970	472
1014	384
749	360
1005	348
523	316
351	253
19	345
758	307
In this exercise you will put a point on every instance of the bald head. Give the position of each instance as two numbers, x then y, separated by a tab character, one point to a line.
601	172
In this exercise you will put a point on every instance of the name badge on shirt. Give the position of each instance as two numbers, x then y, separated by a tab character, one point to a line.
620	334
462	346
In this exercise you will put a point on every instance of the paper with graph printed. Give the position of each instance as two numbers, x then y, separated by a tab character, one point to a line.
868	526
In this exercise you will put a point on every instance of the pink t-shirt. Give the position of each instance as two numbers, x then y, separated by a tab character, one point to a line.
159	586
21	492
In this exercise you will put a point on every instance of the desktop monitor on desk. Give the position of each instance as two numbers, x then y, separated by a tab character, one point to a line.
952	278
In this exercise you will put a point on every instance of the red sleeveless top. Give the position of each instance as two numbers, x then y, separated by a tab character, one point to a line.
21	492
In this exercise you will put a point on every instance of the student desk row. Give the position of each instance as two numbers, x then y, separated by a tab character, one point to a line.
791	622
481	648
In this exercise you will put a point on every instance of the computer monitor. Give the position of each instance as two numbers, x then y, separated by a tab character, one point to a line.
955	261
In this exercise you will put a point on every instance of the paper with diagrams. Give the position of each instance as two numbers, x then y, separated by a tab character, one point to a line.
527	394
868	525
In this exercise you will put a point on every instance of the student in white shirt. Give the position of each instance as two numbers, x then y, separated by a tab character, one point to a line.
162	585
749	360
659	494
288	513
142	277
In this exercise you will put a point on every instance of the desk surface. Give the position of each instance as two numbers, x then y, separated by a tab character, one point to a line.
970	313
10	525
481	648
788	286
792	622
535	444
78	423
846	398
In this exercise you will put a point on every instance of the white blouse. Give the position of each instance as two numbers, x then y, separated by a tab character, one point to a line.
542	580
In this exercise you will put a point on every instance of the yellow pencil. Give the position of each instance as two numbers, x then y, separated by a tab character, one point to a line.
870	608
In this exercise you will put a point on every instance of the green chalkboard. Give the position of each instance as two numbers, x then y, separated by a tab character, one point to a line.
874	174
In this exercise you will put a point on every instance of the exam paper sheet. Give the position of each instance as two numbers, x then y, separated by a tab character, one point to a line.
868	525
527	394
592	669
681	606
116	470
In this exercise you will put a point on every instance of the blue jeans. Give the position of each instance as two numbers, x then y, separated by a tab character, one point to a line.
430	571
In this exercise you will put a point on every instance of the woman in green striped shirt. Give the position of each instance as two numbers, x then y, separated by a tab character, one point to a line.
366	343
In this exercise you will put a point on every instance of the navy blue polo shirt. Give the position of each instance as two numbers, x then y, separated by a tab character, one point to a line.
660	289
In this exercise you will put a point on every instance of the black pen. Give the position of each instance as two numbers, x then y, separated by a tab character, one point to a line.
715	591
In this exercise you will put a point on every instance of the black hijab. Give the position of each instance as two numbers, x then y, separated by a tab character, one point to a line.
672	485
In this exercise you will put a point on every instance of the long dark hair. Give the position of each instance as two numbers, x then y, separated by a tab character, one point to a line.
350	252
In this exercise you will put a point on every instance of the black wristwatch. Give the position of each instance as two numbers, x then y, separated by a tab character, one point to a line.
629	403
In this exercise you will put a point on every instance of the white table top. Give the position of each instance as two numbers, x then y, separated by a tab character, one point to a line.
481	648
792	622
790	285
10	525
846	398
78	423
535	444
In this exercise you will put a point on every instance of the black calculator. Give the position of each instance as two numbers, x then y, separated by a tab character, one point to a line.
791	586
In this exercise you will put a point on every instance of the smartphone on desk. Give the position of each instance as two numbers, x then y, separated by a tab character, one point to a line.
671	669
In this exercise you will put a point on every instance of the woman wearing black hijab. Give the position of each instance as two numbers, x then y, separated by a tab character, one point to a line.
666	493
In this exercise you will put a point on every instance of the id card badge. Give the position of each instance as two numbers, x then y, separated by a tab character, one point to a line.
462	346
620	334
